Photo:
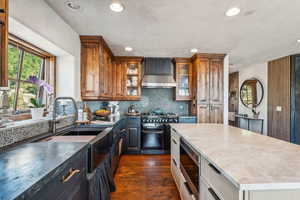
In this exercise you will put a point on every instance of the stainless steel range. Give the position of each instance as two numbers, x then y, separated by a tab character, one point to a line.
155	132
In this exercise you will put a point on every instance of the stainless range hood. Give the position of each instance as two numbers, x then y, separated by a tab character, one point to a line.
158	73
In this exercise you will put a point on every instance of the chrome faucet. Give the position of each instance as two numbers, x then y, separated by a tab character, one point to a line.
54	122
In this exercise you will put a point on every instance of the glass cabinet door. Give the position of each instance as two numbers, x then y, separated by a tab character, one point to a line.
132	81
183	78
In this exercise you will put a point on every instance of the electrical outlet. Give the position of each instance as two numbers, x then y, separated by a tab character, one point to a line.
278	108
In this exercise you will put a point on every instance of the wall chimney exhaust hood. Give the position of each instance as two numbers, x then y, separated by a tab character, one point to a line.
158	73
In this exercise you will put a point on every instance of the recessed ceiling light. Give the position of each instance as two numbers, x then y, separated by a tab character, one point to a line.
194	50
128	49
116	6
73	6
298	40
233	12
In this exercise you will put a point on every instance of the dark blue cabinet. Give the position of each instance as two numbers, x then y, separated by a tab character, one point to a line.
68	182
133	135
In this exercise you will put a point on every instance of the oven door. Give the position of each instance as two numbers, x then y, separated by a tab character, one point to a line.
189	166
152	136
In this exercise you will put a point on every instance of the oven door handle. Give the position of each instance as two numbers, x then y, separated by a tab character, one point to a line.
153	131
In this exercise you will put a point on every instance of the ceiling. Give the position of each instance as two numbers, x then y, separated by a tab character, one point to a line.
166	28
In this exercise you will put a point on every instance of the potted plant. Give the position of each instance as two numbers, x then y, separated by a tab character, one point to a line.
37	108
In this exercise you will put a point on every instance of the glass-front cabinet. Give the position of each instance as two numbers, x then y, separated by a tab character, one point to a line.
183	79
133	74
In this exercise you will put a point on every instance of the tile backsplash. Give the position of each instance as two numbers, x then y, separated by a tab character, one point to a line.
162	98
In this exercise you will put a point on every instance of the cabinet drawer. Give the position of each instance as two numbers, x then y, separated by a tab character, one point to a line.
175	149
175	170
175	135
67	181
207	193
185	192
220	185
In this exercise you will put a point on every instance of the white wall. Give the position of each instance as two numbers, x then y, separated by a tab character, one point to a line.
37	23
226	89
260	72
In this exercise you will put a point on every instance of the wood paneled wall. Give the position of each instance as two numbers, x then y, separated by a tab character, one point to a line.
279	94
234	92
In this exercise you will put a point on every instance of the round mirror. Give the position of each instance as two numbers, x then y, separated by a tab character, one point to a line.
251	93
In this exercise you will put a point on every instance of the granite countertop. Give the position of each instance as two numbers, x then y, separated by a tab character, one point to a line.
25	166
249	160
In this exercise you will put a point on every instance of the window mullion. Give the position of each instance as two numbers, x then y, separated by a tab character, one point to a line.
18	79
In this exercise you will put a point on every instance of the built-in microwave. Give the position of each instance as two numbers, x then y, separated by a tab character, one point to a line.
189	166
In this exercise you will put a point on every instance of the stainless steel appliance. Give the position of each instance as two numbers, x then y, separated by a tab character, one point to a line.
189	166
155	134
158	73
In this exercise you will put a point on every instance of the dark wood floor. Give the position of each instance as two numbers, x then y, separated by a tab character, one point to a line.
145	177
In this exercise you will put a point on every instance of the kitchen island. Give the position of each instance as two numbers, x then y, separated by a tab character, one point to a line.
237	164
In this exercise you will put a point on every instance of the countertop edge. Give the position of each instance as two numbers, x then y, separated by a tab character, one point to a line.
243	186
22	193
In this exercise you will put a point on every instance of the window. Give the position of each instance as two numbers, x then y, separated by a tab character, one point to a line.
24	61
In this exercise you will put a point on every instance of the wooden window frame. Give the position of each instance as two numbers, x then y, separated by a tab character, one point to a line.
48	60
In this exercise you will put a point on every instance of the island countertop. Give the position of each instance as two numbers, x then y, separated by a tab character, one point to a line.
249	160
23	167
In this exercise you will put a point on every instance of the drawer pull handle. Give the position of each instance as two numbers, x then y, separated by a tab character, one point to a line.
174	141
71	174
175	163
188	188
212	192
214	168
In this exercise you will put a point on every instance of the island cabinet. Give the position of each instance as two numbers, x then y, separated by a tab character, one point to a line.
183	79
225	170
3	41
207	84
106	77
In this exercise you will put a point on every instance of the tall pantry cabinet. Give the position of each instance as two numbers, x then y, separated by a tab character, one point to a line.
208	90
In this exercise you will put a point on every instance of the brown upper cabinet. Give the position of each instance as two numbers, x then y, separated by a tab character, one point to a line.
207	80
105	77
183	79
3	42
128	82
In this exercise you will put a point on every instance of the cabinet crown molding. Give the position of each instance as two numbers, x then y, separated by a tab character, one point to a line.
208	55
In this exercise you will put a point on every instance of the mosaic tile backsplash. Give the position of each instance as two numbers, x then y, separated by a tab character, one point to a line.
151	99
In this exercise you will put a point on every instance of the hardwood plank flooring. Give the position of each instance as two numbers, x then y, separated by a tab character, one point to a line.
145	177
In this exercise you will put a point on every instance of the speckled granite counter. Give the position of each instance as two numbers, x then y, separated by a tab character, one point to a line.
27	165
22	130
249	160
